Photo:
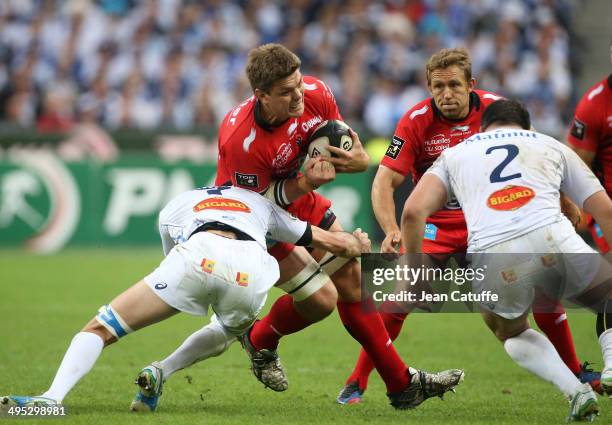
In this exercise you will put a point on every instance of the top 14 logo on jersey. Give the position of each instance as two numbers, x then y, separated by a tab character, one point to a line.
578	129
395	147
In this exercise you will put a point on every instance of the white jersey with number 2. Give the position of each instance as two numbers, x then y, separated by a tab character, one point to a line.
508	181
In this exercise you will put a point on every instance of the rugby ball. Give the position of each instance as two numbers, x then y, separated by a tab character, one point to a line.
331	132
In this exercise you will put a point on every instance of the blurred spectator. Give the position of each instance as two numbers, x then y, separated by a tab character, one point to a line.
148	64
57	115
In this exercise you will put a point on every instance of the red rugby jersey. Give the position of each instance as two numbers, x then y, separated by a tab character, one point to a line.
423	133
252	153
592	129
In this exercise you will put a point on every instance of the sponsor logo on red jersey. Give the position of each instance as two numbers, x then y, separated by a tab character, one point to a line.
436	144
224	204
510	198
283	154
313	122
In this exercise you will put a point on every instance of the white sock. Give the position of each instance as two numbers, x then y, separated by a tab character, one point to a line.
210	341
605	340
80	357
534	352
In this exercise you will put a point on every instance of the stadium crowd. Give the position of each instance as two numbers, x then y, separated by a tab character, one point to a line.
147	64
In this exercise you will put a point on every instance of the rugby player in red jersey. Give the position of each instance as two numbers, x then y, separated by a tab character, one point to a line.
591	138
447	118
262	144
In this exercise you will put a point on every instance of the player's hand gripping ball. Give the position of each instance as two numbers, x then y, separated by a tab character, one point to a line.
330	132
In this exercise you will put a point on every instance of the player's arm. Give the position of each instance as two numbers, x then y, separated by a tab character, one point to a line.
570	210
599	206
428	196
342	244
584	134
249	173
285	227
317	172
581	185
576	138
383	187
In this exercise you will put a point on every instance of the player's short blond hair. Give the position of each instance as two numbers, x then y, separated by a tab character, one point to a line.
270	63
449	57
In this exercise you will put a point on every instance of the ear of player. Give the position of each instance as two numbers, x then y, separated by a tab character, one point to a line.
330	133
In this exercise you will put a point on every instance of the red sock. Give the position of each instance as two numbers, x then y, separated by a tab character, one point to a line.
556	328
283	319
369	331
393	323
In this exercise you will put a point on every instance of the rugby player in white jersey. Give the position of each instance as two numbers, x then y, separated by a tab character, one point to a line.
507	180
214	240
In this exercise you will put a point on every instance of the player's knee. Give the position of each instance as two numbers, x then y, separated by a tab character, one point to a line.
503	328
509	330
318	305
108	324
347	280
221	339
327	298
96	328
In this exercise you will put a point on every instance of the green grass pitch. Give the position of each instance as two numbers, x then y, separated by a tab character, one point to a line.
45	300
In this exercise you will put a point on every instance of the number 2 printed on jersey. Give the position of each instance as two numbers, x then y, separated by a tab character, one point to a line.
512	152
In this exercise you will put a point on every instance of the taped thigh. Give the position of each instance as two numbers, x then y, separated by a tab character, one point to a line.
308	281
331	263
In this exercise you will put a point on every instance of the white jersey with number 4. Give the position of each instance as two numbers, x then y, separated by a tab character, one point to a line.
508	181
241	209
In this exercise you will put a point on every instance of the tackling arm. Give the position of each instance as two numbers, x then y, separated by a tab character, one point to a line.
599	206
317	172
342	244
383	187
570	210
428	196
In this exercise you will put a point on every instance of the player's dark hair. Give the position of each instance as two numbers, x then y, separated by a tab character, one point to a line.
506	111
449	57
270	63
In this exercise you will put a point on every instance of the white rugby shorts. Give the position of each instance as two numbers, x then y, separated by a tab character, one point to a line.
231	276
552	258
